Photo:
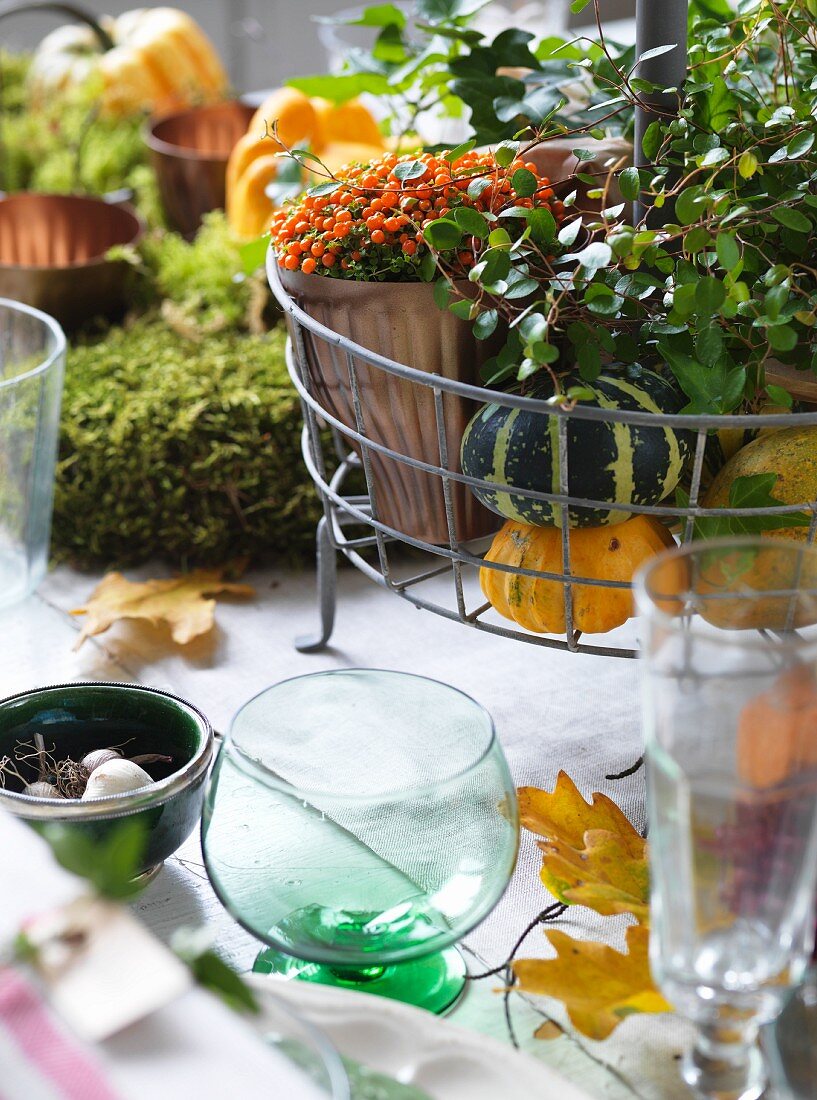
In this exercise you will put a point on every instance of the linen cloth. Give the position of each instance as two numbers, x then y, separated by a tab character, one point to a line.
552	711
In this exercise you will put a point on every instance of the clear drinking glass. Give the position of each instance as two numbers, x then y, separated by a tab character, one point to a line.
360	822
32	359
730	717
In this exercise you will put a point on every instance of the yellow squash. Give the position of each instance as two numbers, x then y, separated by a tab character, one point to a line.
337	133
603	553
161	60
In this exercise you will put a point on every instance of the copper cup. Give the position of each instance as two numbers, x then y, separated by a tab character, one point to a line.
53	254
189	150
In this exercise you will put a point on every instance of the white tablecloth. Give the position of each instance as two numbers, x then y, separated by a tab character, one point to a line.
553	711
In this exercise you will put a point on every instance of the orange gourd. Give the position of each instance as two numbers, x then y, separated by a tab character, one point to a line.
603	553
337	133
159	60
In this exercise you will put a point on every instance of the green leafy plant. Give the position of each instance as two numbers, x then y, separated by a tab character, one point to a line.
431	58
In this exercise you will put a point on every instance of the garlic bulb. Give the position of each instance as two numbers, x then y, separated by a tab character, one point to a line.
92	760
41	789
115	777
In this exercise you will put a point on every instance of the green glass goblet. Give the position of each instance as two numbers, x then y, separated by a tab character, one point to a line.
360	822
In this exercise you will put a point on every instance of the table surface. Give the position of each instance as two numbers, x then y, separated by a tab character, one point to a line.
553	711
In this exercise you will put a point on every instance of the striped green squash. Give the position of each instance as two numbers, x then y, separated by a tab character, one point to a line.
616	463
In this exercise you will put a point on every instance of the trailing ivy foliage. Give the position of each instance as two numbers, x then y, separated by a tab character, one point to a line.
728	284
724	287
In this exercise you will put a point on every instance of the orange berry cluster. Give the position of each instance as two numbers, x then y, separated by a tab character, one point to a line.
371	224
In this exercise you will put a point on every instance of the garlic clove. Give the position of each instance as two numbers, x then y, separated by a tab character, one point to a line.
115	777
41	789
92	760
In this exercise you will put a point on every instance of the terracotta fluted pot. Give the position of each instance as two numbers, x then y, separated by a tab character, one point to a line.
53	254
189	151
401	322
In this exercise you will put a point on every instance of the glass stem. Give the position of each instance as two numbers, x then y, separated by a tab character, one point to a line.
725	1063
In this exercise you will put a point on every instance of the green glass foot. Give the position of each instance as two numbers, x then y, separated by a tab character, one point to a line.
434	982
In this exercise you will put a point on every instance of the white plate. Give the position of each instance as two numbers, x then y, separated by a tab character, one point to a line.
414	1047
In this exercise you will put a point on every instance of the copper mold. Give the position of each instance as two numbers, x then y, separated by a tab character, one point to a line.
402	322
53	254
189	150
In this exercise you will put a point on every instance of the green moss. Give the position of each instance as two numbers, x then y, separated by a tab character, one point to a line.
183	451
204	279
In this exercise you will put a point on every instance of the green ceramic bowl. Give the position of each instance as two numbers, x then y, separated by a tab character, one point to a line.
77	718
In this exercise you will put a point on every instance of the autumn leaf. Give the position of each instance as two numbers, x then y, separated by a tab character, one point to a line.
609	874
591	854
564	814
599	986
185	603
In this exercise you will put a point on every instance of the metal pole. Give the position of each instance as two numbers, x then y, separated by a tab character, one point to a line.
659	23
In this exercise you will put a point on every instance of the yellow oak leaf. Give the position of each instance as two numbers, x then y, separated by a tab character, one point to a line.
565	815
591	853
598	985
608	874
185	603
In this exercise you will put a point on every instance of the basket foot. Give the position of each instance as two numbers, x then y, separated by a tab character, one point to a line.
327	567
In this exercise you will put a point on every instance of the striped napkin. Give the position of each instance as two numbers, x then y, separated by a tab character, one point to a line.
39	1060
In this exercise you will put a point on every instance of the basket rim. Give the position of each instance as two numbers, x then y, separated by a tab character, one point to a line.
482	395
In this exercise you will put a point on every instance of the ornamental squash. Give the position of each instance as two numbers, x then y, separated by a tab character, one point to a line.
337	133
595	552
614	463
791	453
148	59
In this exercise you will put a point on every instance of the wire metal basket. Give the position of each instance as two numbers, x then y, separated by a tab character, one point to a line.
337	453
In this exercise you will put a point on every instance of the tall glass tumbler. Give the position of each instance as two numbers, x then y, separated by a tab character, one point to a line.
32	360
730	718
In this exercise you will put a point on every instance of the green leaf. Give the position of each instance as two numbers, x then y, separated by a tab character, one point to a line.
494	265
779	396
524	183
460	151
755	491
589	360
410	170
595	255
323	188
727	250
629	182
505	153
782	337
341	87
800	144
792	219
443	234
568	233
471	221
651	141
710	294
442	293
428	267
485	324
656	51
194	948
499	238
709	345
747	165
253	254
376	15
542	226
477	186
716	389
690	204
463	308
110	864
